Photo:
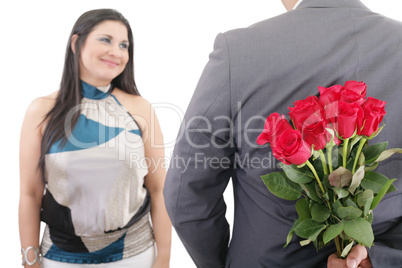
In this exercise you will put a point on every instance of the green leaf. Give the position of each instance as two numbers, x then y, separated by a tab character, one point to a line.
309	229
356	179
360	230
318	167
340	177
291	232
365	200
305	242
325	181
279	185
344	236
347	249
341	193
316	154
371	167
319	243
311	191
297	175
353	153
370	217
375	181
337	204
355	140
374	151
382	192
376	132
329	194
349	203
362	159
303	209
332	231
319	213
318	191
387	153
348	212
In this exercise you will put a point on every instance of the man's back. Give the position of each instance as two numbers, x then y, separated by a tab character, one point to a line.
284	59
262	69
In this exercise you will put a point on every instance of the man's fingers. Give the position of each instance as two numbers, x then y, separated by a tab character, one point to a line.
365	264
356	255
335	262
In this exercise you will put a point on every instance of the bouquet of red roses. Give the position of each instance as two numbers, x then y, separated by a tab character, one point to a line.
326	159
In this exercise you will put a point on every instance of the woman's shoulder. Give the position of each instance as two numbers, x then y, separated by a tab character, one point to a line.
135	104
141	109
40	107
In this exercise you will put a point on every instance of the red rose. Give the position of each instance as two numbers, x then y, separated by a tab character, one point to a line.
331	111
306	112
373	114
354	92
329	95
316	135
349	117
274	126
350	96
358	87
291	148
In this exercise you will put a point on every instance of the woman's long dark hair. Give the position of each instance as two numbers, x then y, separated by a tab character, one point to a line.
69	95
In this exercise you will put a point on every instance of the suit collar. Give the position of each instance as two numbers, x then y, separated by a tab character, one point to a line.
331	4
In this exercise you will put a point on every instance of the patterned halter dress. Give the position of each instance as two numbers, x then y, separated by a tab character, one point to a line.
96	207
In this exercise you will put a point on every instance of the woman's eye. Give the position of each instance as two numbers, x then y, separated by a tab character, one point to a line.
124	45
105	40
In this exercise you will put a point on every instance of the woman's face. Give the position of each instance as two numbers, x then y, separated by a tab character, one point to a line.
104	54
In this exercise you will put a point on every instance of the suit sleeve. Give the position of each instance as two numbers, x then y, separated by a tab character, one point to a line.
201	165
387	249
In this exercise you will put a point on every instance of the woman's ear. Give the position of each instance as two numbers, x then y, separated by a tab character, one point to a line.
73	42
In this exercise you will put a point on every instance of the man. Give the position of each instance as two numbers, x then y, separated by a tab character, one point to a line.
252	73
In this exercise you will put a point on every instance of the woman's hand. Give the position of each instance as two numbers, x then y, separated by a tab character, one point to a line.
161	262
36	265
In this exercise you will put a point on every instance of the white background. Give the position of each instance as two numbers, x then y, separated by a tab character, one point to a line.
172	42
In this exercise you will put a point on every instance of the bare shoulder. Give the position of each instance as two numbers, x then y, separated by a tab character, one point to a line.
39	107
137	106
42	105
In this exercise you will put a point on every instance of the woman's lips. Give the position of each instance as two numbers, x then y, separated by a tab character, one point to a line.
110	63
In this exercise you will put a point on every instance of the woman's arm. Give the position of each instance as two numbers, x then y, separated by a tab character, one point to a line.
31	184
154	181
145	115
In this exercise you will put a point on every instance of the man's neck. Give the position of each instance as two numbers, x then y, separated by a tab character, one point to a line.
297	4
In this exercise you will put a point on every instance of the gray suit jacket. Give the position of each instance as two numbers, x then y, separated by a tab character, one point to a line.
252	73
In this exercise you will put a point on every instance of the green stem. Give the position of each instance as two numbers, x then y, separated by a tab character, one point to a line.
324	162
359	150
319	183
329	156
315	175
338	246
342	245
345	151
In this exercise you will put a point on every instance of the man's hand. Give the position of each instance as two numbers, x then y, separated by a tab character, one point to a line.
358	257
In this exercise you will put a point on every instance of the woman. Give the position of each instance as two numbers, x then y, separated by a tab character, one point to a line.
96	141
